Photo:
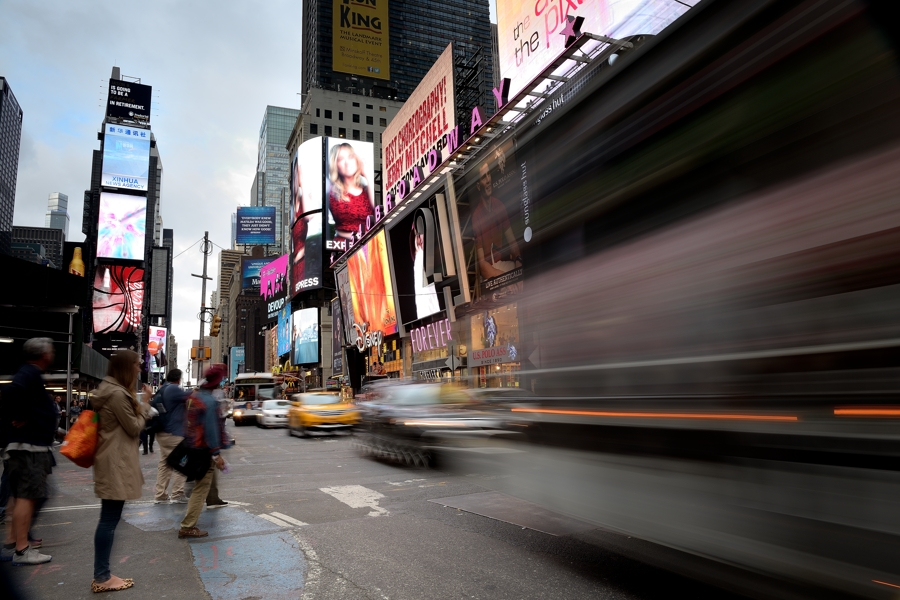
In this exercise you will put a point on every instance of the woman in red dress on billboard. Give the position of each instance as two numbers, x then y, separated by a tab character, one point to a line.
350	199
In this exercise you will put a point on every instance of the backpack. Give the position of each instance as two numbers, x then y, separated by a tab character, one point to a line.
158	423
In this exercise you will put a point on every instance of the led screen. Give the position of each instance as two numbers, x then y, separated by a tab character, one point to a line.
349	191
416	299
306	178
306	253
236	358
337	338
284	330
118	298
126	157
371	292
342	278
274	285
250	268
156	347
255	225
122	226
305	325
529	34
129	100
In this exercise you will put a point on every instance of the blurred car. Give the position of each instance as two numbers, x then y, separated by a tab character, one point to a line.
320	411
245	413
273	413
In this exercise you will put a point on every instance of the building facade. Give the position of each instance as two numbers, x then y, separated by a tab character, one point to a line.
50	238
10	139
57	216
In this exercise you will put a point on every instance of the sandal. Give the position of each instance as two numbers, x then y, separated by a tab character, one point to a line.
98	588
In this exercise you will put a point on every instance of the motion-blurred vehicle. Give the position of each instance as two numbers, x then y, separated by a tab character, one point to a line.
320	411
250	391
273	413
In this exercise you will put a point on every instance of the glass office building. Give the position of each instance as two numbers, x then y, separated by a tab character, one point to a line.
273	164
10	137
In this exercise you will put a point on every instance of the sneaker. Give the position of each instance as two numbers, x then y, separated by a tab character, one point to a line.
191	532
218	504
6	554
166	501
180	500
30	557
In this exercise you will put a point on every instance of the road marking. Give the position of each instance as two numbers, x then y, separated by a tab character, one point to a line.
276	520
288	519
357	496
405	482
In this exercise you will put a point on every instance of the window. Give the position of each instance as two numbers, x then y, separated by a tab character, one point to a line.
370	120
317	113
356	104
340	116
327	114
356	118
369	107
342	132
382	121
356	134
382	109
313	129
370	137
328	130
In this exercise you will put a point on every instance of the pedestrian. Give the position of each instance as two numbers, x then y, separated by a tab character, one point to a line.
203	431
76	411
29	421
147	438
213	500
117	470
171	414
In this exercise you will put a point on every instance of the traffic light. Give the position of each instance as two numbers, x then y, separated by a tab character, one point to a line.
216	326
201	352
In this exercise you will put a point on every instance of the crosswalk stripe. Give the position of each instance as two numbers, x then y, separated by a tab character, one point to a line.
288	519
275	520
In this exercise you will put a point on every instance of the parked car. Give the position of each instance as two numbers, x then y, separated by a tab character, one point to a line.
273	413
320	411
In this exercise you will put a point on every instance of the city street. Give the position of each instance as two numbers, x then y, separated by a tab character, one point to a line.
314	519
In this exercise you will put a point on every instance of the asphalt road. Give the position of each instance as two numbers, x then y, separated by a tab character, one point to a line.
317	520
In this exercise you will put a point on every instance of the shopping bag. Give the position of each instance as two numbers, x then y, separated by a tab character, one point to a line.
193	463
80	445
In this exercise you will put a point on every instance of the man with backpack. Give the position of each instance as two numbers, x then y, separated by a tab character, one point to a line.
169	401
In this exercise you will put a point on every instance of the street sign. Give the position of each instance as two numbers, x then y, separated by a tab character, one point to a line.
454	362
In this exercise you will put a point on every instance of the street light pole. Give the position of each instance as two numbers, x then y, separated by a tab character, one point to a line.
207	250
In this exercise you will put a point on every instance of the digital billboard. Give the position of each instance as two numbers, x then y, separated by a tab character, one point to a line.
360	40
337	338
349	191
416	298
284	330
128	100
371	292
122	225
118	298
156	347
250	269
305	326
342	279
126	157
422	122
306	253
274	285
529	33
255	225
236	361
305	178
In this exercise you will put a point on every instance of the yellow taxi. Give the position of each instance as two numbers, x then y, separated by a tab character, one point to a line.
323	411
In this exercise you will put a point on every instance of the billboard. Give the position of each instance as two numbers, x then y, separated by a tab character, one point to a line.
128	100
255	225
236	361
284	330
306	216
126	157
118	298
371	292
337	338
305	326
274	285
250	269
421	123
360	40
529	33
342	279
416	298
156	347
159	281
122	225
349	191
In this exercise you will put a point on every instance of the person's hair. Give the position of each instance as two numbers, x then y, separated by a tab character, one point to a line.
121	368
36	348
337	184
174	376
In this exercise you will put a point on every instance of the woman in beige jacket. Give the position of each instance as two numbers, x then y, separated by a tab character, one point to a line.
117	470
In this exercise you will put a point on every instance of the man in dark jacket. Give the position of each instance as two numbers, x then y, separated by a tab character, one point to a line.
171	413
29	423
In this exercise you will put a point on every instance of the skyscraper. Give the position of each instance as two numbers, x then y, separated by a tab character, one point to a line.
58	213
418	32
10	138
273	163
168	241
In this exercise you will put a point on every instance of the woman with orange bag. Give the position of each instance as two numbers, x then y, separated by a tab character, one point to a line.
117	471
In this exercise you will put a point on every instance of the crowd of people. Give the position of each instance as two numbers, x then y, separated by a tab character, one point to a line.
29	422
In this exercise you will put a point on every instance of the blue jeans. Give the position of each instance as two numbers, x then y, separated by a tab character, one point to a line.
110	513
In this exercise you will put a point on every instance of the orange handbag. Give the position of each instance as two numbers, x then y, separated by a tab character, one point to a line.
80	444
